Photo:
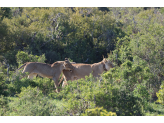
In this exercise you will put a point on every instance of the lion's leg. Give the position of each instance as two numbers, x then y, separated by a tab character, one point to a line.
64	84
24	73
30	76
56	85
95	74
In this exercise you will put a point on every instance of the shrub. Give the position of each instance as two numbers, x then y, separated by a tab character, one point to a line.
98	112
160	94
4	107
15	86
46	85
31	102
23	57
142	92
87	94
3	86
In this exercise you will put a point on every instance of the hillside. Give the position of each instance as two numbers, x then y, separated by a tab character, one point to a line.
132	38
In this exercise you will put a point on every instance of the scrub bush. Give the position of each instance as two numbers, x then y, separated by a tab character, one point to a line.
98	112
31	102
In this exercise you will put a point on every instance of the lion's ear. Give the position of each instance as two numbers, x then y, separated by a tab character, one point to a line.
104	59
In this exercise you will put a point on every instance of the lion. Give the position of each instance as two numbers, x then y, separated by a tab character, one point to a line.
51	71
81	70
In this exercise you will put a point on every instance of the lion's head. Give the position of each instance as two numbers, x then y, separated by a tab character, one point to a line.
108	64
67	65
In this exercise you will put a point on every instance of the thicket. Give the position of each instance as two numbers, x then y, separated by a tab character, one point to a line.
132	38
84	34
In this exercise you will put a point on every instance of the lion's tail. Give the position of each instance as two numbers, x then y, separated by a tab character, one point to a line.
22	66
16	71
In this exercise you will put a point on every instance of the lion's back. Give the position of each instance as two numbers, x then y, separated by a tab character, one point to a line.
80	71
38	67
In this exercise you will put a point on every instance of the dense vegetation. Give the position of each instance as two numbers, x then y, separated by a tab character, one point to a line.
132	38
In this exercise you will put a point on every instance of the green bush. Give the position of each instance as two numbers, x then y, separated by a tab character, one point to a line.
23	57
98	112
86	94
46	85
3	86
4	106
142	92
31	102
15	86
160	94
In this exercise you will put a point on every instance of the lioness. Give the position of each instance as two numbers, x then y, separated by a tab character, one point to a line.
81	70
52	71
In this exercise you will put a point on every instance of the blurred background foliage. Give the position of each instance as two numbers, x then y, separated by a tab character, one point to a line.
82	34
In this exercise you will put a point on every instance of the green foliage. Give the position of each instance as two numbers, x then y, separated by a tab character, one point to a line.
98	112
23	57
133	36
4	107
88	94
6	12
60	33
3	87
15	86
31	103
160	94
134	80
46	85
30	93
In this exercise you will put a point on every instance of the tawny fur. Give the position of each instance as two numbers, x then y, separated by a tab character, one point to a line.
81	70
52	71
